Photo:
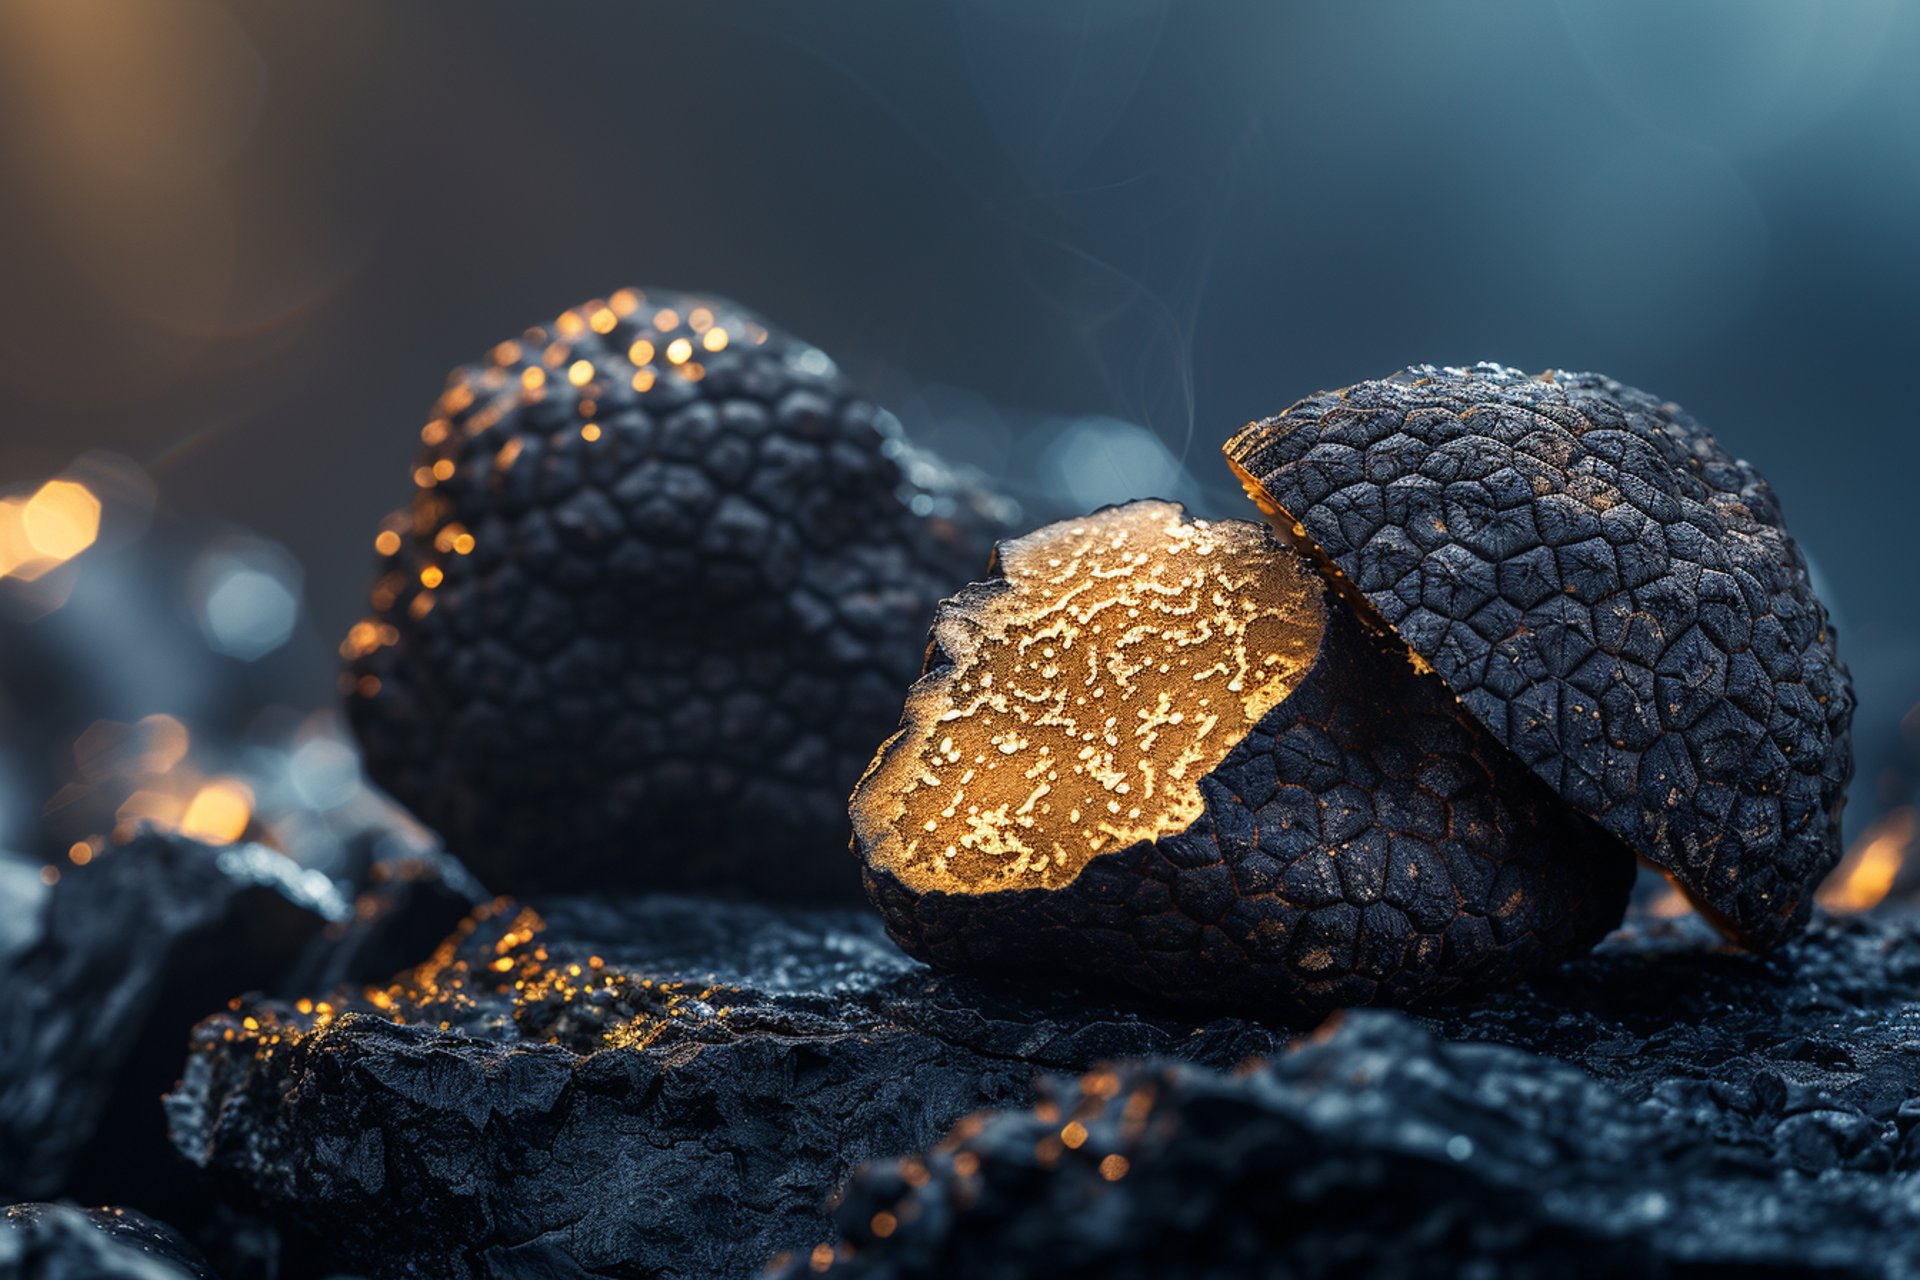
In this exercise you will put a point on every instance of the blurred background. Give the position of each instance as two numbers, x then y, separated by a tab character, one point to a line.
1073	244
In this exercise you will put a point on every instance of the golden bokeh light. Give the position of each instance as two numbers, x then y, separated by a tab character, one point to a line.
219	812
57	523
1866	875
62	519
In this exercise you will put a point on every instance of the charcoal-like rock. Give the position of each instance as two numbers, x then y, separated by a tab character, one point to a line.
652	1086
1744	1046
408	901
1607	589
1686	1111
60	1242
663	577
129	951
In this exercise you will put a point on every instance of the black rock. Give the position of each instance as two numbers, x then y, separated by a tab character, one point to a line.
655	1086
60	1242
1668	1121
1803	1058
409	900
662	579
127	953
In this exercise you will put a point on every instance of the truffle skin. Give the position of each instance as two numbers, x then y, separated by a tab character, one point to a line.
1362	842
662	579
1607	590
647	1086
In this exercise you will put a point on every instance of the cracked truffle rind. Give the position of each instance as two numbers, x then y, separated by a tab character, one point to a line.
1363	842
661	581
1607	590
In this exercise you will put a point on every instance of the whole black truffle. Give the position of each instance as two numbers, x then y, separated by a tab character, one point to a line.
1156	753
662	579
1608	591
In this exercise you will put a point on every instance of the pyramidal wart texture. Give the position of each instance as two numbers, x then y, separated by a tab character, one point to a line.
662	578
1606	589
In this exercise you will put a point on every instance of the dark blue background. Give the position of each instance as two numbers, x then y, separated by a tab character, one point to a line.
1073	243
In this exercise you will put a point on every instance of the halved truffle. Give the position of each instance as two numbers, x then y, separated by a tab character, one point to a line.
1152	752
1608	591
662	578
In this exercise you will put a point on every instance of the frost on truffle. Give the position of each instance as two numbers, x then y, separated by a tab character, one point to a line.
1606	589
662	579
1153	752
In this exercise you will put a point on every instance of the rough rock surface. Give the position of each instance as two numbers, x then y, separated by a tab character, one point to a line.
407	902
663	578
60	1242
1607	589
1362	842
656	1086
130	950
1734	1116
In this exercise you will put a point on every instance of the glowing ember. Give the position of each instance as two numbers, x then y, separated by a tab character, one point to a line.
219	812
1866	875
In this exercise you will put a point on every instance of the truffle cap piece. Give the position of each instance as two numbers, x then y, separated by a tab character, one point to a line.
1607	590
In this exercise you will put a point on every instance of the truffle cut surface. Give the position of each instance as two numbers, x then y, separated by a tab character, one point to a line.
1081	697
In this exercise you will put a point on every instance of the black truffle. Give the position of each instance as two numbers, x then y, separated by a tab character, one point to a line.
662	579
1154	753
1607	590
